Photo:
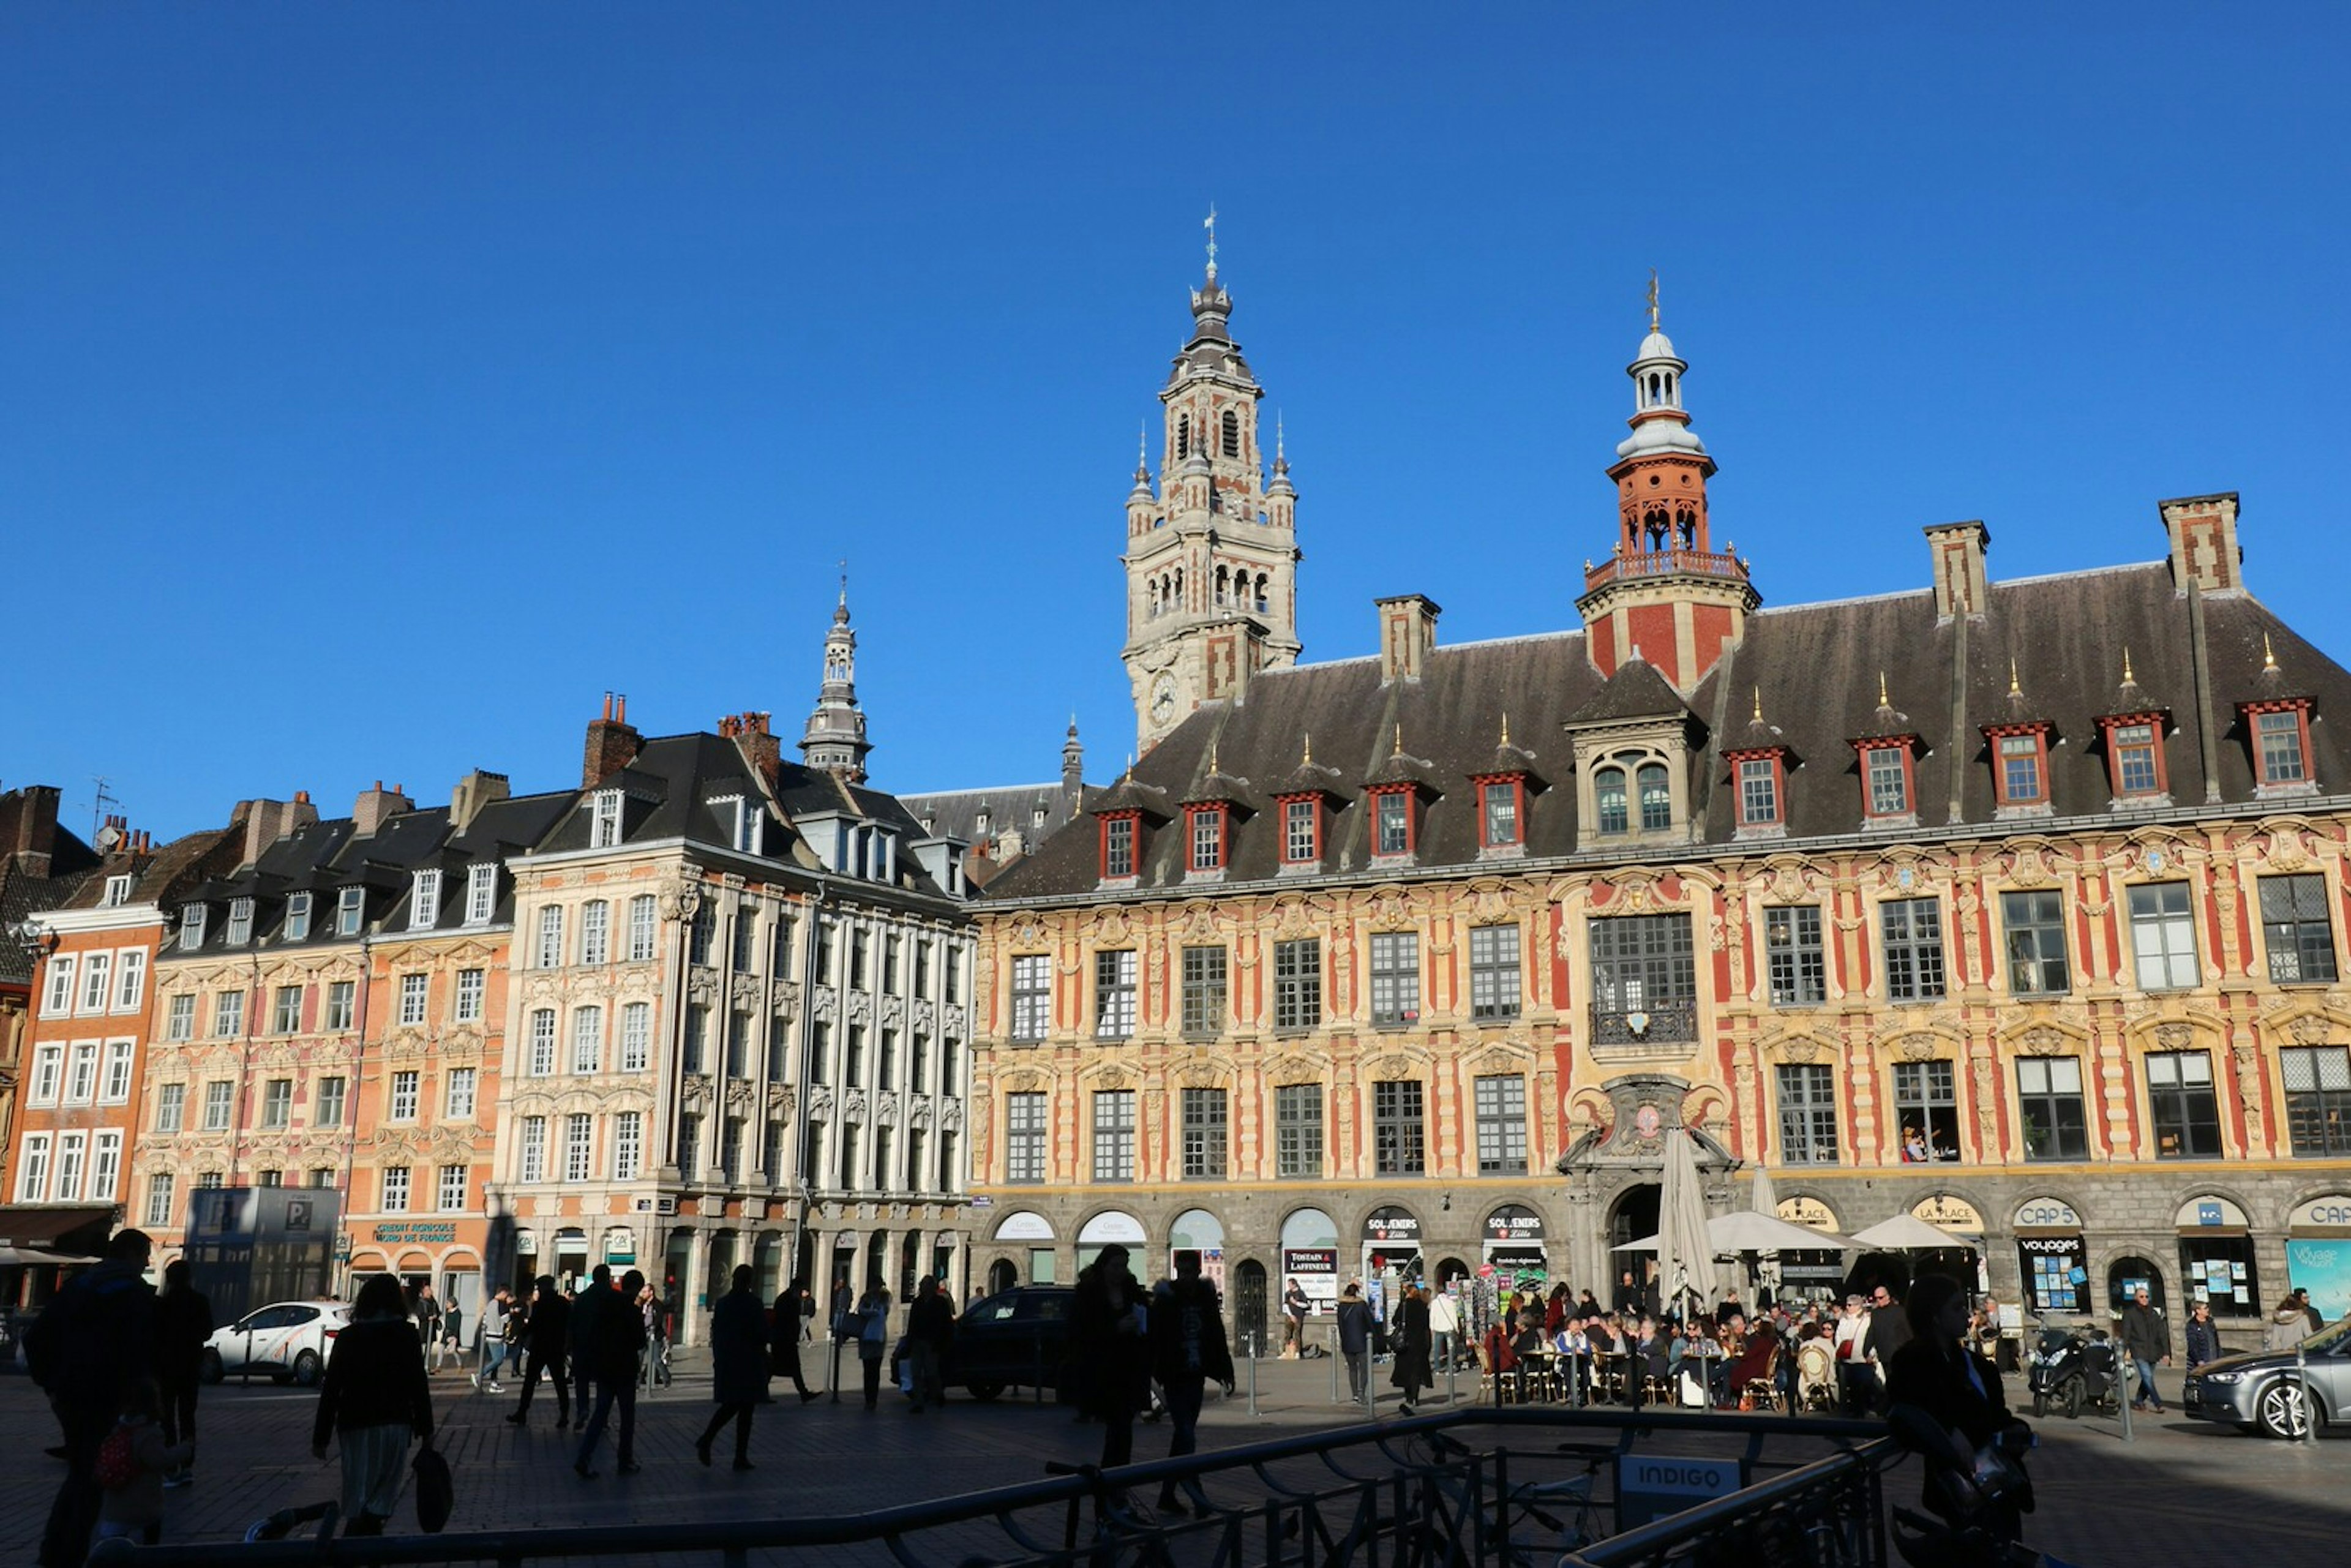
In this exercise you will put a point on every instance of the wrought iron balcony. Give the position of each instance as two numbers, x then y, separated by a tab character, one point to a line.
1666	1023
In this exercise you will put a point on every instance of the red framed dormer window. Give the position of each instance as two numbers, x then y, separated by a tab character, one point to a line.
1301	828
2019	763
1393	827
1207	831
1761	777
1122	844
1501	810
2135	760
1890	783
2280	733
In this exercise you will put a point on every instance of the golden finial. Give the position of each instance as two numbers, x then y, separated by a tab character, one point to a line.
2269	655
2012	690
1653	299
2127	669
1506	730
1399	740
1212	757
1759	705
1882	701
1306	754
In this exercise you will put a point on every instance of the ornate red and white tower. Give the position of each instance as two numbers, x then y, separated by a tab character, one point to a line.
1665	591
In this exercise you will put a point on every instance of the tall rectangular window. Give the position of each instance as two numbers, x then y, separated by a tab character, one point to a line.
542	1041
1114	1135
694	1049
1298	983
1032	996
277	1104
1024	1136
351	909
739	1047
404	1098
82	1082
2318	1099
628	1146
587	1038
858	948
56	999
1913	948
595	931
424	900
1118	846
531	1166
33	1169
171	1107
1889	781
228	1015
580	1146
1115	995
1792	953
342	1004
1298	831
1759	792
1644	979
730	1149
452	1189
1392	818
1808	1122
548	953
131	981
1205	1134
97	971
159	1200
2163	937
70	1146
481	894
747	940
285	1012
852	1055
413	993
2036	944
49	1073
395	1189
1926	1103
640	928
2279	737
114	1084
1209	838
2020	770
1494	983
2296	930
2181	1104
699	930
1499	800
220	1104
240	922
604	819
2049	1102
2135	769
1298	1130
461	1083
470	986
180	1017
1395	977
1500	1101
636	1036
1399	1130
191	927
297	917
1203	992
327	1110
105	1165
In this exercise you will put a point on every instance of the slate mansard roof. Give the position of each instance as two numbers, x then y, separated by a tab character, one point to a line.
1814	670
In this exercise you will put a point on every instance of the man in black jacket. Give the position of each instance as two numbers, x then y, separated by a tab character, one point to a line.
2147	1339
1188	1350
784	1348
97	1337
620	1340
546	1345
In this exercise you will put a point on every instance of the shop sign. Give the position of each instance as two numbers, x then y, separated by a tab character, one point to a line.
1026	1226
2331	1210
1651	1486
1316	1270
525	1244
2046	1214
1809	1211
620	1245
2198	1212
421	1231
1391	1227
1945	1212
1515	1260
1513	1223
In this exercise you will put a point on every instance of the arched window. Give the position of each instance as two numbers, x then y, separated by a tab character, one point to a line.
1232	432
1264	603
1608	798
1183	436
1224	582
1657	797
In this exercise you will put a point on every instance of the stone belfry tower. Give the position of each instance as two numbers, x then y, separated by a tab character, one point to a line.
1211	559
835	741
1664	590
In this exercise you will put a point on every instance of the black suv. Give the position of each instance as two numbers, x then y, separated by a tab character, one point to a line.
1017	1338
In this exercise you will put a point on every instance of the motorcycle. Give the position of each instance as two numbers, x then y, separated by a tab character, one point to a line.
2070	1370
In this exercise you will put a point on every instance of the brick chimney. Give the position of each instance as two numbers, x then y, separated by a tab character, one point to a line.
1407	634
267	822
1958	552
760	748
612	744
2204	549
377	806
474	792
28	825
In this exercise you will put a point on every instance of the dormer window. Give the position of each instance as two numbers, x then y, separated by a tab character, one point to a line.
117	893
2135	763
481	894
424	900
980	825
1119	847
1302	831
2281	734
2019	765
350	908
1498	813
1608	800
1392	824
604	820
240	922
744	822
1207	836
191	927
1885	775
297	917
1759	778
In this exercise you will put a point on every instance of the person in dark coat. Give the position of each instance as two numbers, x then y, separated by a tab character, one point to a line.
1356	1339
87	1346
930	1336
1408	1336
1947	1404
546	1343
2203	1336
373	1397
1110	1343
738	1366
1187	1350
620	1339
2147	1339
784	1343
183	1321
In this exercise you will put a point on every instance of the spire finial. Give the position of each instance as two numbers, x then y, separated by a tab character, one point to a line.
1399	739
1280	455
1142	449
2269	655
1653	299
1759	705
1882	701
1306	753
1506	728
2127	669
2012	688
1213	768
1210	224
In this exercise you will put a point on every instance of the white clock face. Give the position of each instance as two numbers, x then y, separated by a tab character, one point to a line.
1163	698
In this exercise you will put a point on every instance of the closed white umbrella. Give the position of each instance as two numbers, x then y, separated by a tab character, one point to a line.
1684	1250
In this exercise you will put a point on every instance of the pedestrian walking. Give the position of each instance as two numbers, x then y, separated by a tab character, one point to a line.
930	1335
1408	1339
738	1366
2147	1339
784	1343
490	1341
656	1360
620	1344
372	1399
130	1494
1356	1339
429	1326
2287	1328
582	1331
1956	1396
1109	1344
183	1321
546	1343
873	1339
453	1338
97	1336
1444	1327
2203	1336
1188	1351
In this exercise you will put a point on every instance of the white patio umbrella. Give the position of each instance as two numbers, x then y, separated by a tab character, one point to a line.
1763	1199
1684	1248
1906	1233
1744	1230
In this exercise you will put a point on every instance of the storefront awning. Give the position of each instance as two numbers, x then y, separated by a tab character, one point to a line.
76	1228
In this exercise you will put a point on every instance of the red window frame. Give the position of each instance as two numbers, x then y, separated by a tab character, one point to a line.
1313	804
2111	726
1517	785
2300	708
1779	761
1998	735
1134	821
1220	818
1411	819
1901	746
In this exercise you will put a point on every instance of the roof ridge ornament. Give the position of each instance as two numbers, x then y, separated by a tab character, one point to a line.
1759	705
2268	656
1210	224
1653	292
2127	679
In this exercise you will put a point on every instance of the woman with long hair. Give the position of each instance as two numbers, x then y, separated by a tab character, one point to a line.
372	1399
1412	1371
1948	1405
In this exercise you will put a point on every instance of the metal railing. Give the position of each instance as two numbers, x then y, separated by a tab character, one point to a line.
1461	1490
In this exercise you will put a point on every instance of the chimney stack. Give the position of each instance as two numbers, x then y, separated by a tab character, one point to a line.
267	822
1960	584
2204	549
28	825
760	748
1408	635
377	806
474	792
612	744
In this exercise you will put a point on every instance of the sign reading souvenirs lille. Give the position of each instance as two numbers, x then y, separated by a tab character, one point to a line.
423	1231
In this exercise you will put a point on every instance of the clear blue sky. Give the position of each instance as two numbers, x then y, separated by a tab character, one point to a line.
379	383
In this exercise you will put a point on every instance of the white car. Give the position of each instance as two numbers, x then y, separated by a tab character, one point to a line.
289	1341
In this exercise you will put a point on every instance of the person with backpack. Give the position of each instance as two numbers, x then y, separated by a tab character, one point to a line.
134	1463
183	1321
97	1335
374	1398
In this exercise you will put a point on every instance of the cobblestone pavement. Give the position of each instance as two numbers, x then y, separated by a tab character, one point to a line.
2180	1486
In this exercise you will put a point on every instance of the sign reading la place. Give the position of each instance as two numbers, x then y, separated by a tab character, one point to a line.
417	1230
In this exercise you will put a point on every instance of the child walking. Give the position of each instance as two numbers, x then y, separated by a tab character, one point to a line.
132	1464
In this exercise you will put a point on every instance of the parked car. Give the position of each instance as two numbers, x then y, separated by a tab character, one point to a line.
2259	1392
289	1341
1015	1339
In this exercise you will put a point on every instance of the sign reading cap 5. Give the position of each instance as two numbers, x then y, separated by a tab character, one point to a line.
2047	1214
2332	1209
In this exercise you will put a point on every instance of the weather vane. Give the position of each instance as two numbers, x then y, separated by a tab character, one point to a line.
1210	224
1653	298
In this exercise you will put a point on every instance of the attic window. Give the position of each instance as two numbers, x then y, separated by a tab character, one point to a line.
350	905
1207	837
1392	822
191	927
2135	756
1037	817
117	893
2019	765
1302	831
1118	834
2280	733
1886	780
604	820
981	824
297	917
240	921
1760	798
424	900
1608	800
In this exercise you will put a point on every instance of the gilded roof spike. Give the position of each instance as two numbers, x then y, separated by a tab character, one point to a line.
2269	655
1759	705
2126	667
1882	700
2013	689
1306	753
1399	739
1506	730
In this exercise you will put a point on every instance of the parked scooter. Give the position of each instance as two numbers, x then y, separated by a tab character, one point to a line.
2073	1369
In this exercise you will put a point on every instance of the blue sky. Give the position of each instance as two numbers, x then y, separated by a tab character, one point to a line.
381	383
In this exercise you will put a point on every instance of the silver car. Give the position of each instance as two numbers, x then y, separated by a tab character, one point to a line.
2259	1390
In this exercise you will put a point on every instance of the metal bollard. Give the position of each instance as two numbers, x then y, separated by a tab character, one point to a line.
1452	1375
1252	1363
2301	1376
1335	1360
